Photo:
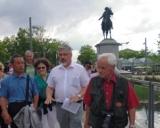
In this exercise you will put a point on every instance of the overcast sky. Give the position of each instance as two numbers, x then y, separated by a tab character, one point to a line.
76	21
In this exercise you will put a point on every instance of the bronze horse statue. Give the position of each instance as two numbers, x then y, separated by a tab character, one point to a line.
106	22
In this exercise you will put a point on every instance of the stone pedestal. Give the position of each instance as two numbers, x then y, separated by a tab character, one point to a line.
108	46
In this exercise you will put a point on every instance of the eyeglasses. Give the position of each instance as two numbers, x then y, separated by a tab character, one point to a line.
41	68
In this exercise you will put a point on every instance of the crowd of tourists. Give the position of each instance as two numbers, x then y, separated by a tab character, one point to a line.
33	93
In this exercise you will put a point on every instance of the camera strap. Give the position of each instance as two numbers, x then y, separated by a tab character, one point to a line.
27	90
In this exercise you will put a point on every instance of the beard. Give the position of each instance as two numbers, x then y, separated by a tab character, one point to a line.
64	64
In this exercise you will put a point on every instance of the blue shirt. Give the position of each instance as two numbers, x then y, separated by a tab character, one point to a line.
13	87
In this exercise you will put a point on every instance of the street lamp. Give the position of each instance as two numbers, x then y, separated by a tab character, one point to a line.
145	51
126	43
30	33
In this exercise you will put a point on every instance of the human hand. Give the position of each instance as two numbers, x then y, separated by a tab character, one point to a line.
33	107
6	117
49	100
86	125
74	98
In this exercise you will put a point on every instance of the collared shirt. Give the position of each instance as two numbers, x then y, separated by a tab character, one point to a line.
67	81
108	88
13	87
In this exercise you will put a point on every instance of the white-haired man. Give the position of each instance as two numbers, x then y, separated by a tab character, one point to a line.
110	98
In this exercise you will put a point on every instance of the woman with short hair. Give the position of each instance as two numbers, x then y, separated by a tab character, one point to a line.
42	67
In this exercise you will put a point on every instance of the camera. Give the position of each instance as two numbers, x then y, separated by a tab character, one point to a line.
107	120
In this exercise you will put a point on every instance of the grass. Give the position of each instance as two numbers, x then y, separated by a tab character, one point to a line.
143	93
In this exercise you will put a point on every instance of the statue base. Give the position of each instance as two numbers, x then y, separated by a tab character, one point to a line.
108	45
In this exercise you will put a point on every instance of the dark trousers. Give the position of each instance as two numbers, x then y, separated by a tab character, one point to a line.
13	109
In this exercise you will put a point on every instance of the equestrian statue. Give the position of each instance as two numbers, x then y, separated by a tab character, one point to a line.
106	22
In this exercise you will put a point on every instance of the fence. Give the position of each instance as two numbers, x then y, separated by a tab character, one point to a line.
151	98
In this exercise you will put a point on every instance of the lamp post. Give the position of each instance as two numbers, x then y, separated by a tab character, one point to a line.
30	33
145	51
126	43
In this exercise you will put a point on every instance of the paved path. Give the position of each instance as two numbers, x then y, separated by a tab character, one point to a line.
141	120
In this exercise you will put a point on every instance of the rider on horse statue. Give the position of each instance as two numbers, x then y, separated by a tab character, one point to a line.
106	22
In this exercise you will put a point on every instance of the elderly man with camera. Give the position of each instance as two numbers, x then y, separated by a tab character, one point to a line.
110	99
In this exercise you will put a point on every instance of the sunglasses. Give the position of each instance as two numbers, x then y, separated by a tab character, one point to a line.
41	68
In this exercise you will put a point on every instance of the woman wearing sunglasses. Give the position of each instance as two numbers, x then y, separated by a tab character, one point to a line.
48	114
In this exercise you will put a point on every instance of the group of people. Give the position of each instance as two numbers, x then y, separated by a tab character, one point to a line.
64	93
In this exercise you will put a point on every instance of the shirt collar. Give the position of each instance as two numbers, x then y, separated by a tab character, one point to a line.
20	76
112	79
70	66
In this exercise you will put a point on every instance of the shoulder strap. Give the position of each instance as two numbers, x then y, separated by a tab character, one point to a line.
27	90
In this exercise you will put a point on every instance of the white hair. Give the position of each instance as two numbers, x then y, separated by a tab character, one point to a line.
110	58
29	52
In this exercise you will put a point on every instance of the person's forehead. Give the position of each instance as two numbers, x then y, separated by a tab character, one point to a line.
41	64
63	51
29	55
102	60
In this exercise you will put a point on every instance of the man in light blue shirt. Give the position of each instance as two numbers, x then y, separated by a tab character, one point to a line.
13	91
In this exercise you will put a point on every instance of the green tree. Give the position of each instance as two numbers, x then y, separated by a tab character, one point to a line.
4	55
42	47
128	53
87	54
51	50
154	57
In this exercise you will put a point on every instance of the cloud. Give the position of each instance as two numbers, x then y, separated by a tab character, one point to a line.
76	21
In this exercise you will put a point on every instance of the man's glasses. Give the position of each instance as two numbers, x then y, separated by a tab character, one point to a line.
41	68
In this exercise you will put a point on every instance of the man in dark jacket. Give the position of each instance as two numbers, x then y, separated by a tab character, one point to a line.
110	99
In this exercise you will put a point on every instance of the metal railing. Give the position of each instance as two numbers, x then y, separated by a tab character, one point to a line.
151	98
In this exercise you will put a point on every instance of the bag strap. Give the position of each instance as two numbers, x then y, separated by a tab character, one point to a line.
27	90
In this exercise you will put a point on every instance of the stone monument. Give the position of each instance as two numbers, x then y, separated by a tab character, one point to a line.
107	44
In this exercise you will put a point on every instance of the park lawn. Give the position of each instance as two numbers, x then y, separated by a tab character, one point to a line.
143	93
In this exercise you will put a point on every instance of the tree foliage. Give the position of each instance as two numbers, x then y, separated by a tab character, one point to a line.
128	53
154	57
42	47
87	54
